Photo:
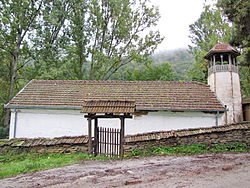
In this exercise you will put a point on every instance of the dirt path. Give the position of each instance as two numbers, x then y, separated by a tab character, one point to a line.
207	170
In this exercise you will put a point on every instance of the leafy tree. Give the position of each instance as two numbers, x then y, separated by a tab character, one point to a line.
211	28
238	12
17	19
107	35
76	39
49	41
149	72
180	60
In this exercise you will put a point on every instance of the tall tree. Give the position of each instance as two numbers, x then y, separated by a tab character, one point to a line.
17	19
49	41
239	13
111	34
211	28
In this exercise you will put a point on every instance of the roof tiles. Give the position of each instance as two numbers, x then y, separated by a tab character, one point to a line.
148	95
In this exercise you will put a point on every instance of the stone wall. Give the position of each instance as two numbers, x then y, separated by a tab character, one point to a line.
41	145
220	134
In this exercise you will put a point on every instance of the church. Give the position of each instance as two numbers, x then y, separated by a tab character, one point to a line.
57	108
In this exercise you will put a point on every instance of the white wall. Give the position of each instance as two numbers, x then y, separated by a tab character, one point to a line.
226	85
56	123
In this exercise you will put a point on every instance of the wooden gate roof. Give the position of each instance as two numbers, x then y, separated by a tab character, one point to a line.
148	95
108	106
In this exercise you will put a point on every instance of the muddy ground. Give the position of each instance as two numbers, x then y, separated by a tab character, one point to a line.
207	170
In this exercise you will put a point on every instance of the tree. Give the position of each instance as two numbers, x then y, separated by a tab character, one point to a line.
17	19
148	72
211	28
76	39
49	41
107	35
238	13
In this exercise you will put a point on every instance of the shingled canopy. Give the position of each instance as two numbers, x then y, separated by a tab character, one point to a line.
108	106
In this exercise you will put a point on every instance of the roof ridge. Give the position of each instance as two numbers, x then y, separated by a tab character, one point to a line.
117	81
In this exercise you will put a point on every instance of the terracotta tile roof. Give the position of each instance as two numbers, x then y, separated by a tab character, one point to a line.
220	48
148	95
108	106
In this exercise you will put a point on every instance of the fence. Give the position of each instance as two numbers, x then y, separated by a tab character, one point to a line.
108	141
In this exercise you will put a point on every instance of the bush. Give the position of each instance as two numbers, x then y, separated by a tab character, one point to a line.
4	132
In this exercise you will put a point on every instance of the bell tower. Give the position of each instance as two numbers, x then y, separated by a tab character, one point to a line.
224	80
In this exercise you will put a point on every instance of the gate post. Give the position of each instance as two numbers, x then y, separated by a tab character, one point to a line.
96	137
90	150
122	137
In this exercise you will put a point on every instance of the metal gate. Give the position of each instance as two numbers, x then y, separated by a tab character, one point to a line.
108	141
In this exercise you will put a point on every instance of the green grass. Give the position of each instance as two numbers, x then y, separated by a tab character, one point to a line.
12	164
191	149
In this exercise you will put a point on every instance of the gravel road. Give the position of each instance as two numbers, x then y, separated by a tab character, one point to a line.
206	170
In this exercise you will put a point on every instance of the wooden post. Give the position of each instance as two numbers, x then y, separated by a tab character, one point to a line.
122	137
96	137
90	137
216	118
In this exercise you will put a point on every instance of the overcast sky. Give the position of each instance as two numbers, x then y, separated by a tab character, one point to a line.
176	16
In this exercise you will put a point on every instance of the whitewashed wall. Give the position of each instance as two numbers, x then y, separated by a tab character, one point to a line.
36	123
226	85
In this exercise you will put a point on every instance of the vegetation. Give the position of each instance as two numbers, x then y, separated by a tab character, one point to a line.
181	60
4	132
13	163
211	28
226	22
17	163
238	13
148	72
78	39
191	149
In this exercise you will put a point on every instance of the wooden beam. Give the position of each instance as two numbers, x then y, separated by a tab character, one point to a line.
96	137
108	116
122	136
90	149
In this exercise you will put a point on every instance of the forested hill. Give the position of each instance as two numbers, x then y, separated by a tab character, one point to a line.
180	60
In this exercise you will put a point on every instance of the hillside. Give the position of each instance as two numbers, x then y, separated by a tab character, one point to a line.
180	59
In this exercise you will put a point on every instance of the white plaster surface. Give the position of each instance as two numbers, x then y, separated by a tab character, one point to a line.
226	85
34	123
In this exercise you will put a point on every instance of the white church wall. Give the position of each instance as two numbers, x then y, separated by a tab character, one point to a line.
34	123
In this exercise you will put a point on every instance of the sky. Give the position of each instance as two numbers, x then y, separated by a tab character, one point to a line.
176	16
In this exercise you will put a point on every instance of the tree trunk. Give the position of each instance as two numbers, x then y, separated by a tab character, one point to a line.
13	74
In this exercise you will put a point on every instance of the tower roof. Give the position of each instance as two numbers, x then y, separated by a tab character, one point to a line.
222	48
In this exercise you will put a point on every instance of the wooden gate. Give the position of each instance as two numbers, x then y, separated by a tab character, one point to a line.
108	141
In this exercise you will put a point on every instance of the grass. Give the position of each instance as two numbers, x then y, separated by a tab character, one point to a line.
191	149
13	163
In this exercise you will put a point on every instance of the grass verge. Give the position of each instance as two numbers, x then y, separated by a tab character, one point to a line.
191	149
13	163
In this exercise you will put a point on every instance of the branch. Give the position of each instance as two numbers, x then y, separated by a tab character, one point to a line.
31	21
